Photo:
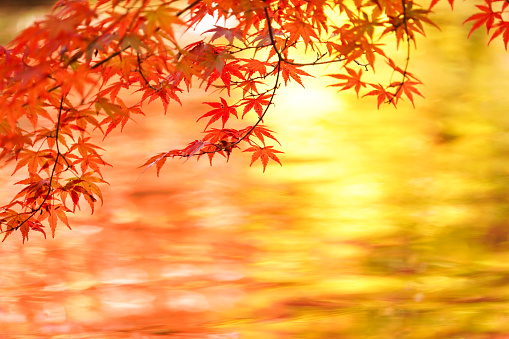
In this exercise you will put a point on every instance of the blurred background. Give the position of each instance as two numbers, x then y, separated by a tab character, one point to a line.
389	223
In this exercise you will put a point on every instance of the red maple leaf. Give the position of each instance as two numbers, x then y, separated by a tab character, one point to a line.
486	17
381	93
229	33
264	154
351	80
288	70
408	88
222	110
260	132
502	27
194	148
256	103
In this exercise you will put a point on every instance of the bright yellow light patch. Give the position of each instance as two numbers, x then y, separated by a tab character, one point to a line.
308	104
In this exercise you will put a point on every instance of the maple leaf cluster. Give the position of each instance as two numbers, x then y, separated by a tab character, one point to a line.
64	77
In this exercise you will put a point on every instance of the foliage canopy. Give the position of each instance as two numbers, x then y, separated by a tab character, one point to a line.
66	75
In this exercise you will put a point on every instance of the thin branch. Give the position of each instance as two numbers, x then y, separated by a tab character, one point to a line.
276	86
276	83
191	5
260	118
52	176
109	58
143	76
405	70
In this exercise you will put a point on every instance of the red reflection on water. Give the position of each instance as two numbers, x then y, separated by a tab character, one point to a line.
161	257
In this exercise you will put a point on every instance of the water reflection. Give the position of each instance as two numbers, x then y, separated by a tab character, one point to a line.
380	224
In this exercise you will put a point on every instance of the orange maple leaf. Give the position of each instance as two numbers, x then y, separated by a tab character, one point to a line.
222	110
264	154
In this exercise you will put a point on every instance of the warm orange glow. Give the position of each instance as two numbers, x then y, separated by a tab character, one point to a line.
380	223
